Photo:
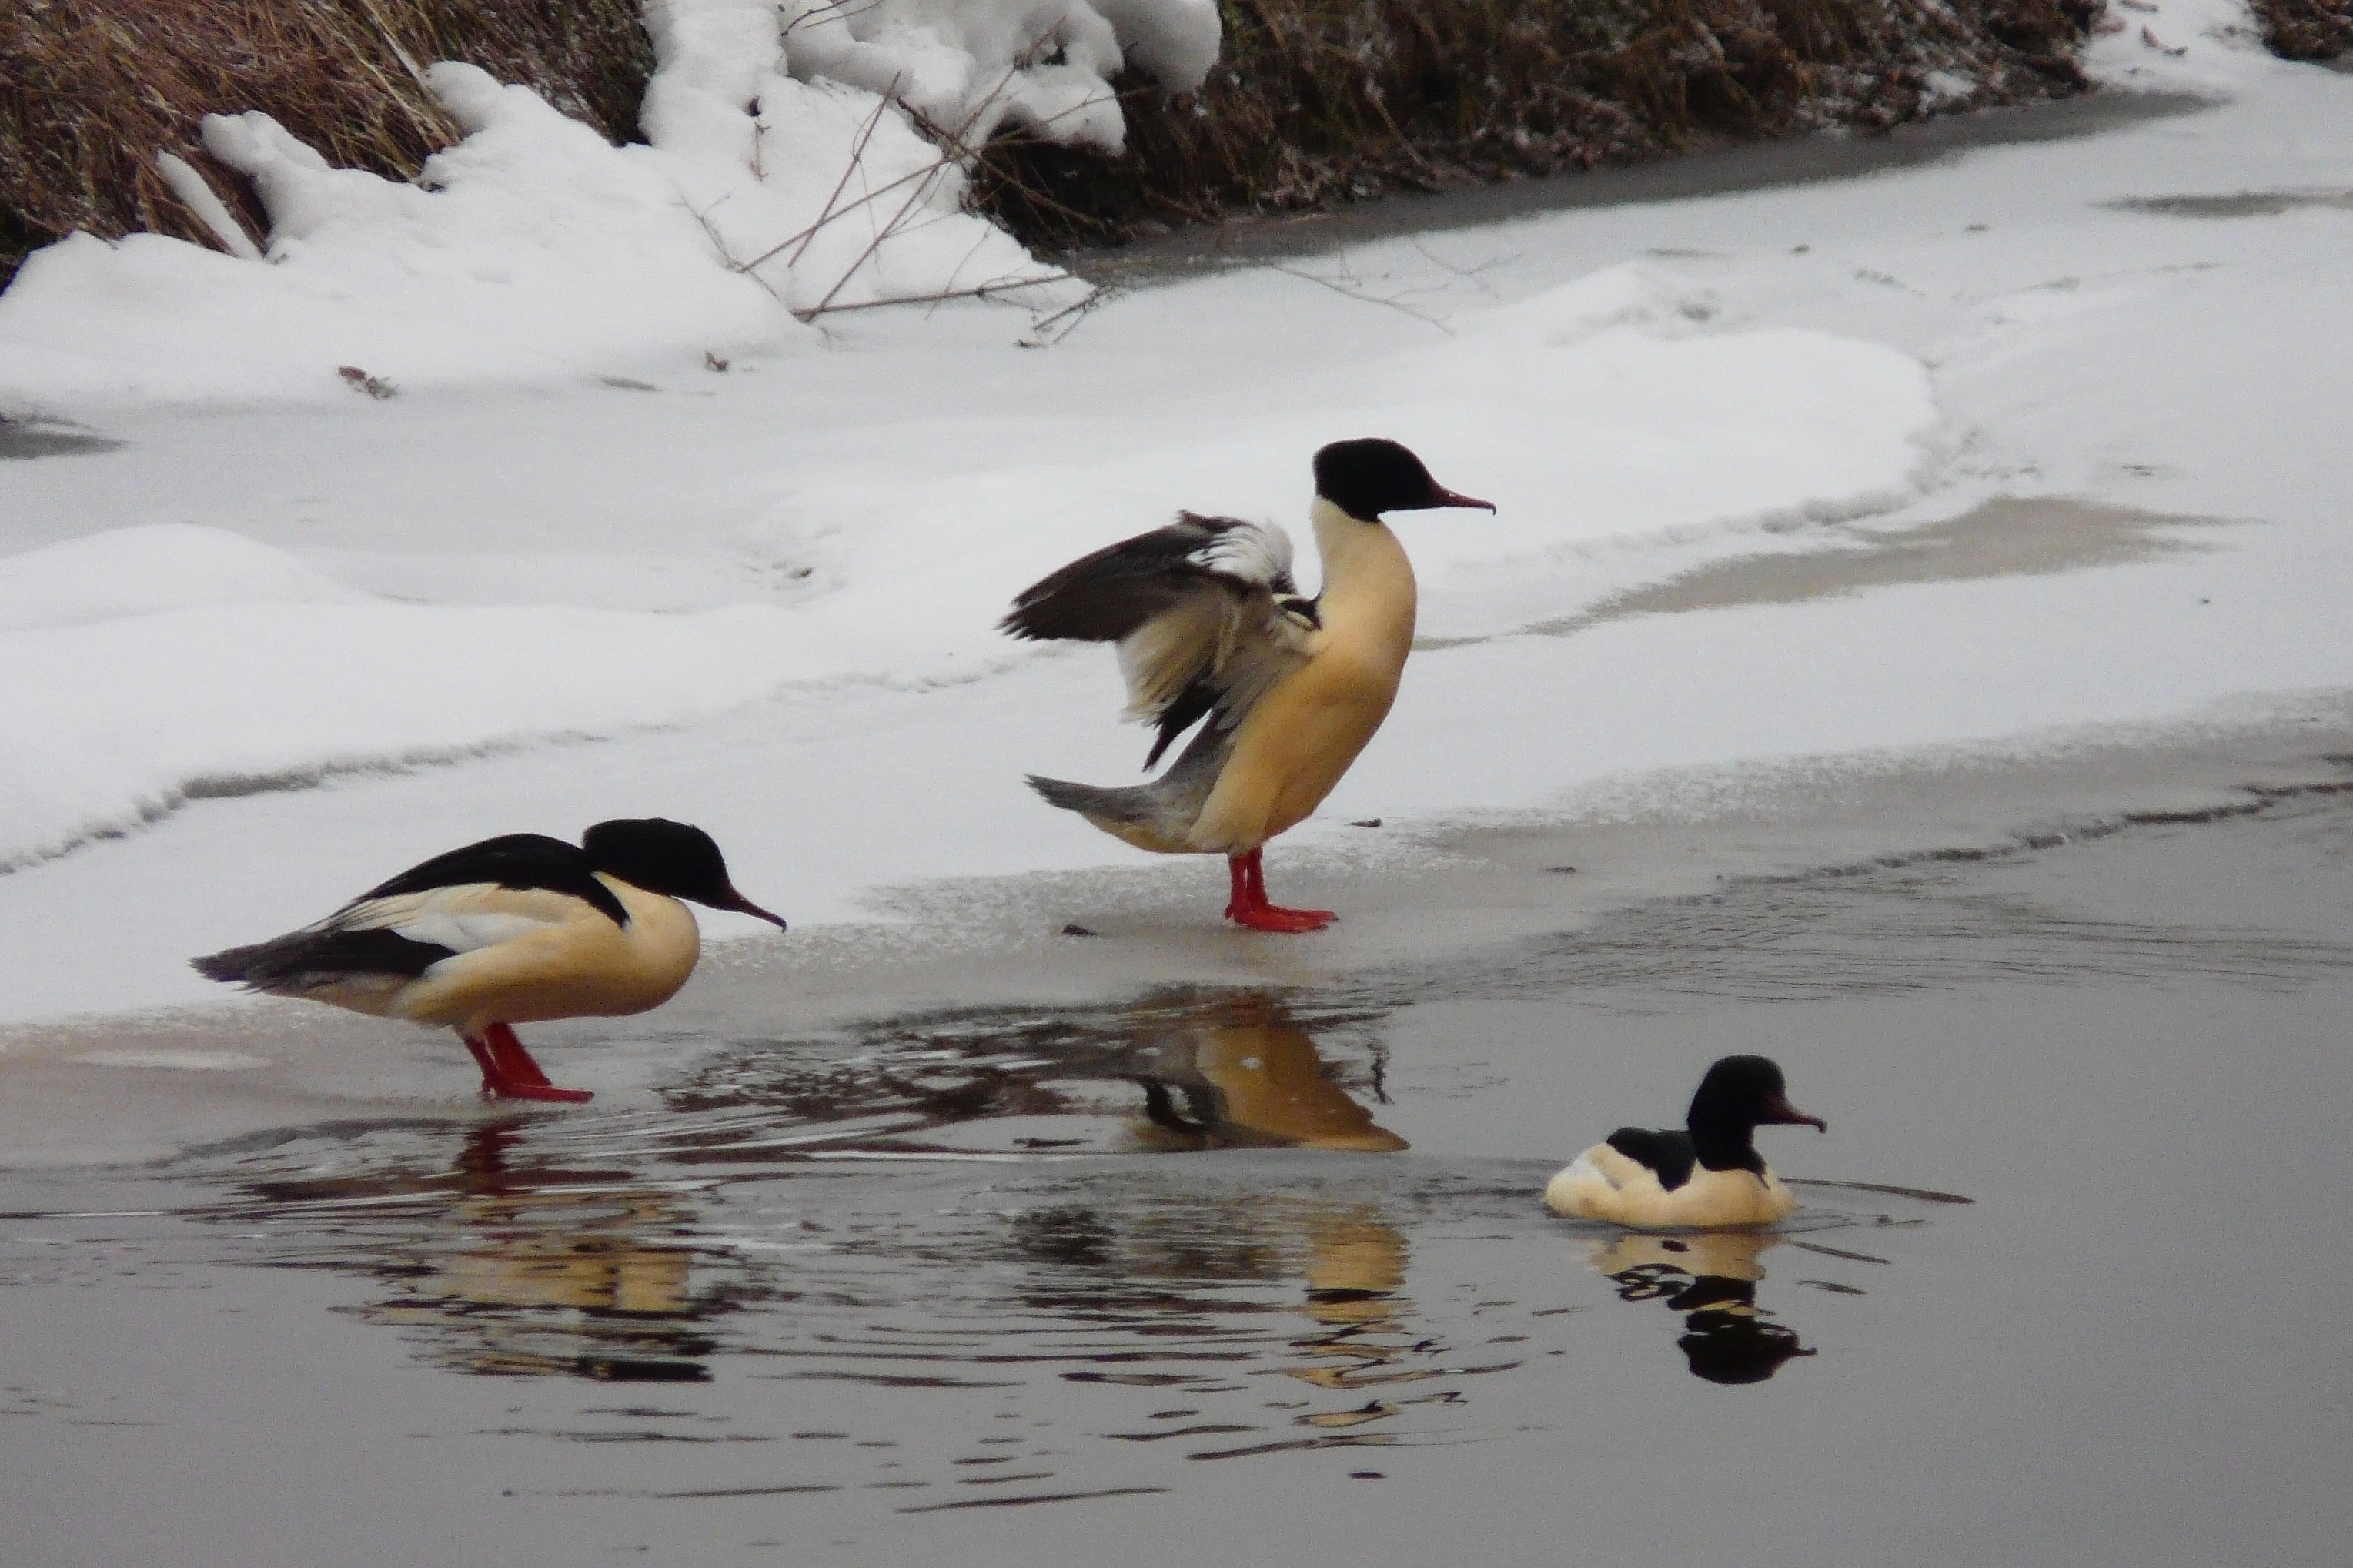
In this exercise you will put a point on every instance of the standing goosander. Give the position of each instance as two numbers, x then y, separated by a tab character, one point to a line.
1708	1176
1209	625
519	929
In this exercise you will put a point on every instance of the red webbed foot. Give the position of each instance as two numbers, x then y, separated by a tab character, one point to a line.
1270	917
510	1073
1249	908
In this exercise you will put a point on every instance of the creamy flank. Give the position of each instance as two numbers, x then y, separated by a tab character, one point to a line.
554	957
1603	1184
1301	737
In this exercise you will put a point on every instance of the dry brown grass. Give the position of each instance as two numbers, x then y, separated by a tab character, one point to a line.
1318	101
91	90
2306	29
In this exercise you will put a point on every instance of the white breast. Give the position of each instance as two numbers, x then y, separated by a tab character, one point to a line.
1603	1184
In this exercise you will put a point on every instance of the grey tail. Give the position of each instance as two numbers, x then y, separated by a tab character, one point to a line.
1164	808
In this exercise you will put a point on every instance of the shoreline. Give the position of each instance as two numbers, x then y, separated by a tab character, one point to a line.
957	1288
80	1091
1814	158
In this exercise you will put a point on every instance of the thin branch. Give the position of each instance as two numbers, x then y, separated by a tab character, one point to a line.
719	244
1348	288
979	291
856	161
1077	312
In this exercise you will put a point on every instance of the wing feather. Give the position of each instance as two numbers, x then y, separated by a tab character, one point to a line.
461	918
1204	611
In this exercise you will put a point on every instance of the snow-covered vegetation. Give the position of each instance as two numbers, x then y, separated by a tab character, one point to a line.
798	163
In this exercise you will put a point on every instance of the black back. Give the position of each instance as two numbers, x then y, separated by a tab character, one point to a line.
1665	1152
518	861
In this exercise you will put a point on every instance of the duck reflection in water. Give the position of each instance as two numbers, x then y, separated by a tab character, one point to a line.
527	1271
1712	1277
1249	1078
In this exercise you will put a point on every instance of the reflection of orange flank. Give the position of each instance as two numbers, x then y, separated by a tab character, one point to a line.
1252	1079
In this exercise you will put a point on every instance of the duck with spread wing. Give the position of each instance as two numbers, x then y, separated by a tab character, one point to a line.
1210	627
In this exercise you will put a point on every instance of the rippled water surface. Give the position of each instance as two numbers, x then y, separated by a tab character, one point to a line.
1254	1275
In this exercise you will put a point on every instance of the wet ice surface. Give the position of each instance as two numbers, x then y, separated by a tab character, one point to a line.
1251	1274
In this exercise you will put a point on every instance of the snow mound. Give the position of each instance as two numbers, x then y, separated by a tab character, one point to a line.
784	180
146	570
975	66
160	663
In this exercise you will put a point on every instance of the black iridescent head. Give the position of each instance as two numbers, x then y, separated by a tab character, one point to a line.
669	858
1745	1093
1367	478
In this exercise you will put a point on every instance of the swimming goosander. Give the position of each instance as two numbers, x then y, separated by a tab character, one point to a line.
1710	1175
1210	625
518	929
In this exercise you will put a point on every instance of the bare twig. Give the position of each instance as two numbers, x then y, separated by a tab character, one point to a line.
1468	274
980	291
718	243
1074	312
857	161
1349	287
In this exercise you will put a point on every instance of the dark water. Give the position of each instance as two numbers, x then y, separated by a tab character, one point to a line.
1768	165
1246	1275
41	437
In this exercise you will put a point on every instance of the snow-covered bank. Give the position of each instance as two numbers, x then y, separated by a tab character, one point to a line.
783	177
231	661
762	599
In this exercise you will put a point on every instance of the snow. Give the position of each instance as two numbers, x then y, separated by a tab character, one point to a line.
979	65
783	178
288	640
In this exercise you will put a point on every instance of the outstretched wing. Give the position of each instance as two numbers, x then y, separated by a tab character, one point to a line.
1204	613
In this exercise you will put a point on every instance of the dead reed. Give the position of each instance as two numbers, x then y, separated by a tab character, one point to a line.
2305	29
91	90
1317	101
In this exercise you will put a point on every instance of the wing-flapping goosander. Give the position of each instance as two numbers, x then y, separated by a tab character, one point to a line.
1210	626
518	929
1708	1175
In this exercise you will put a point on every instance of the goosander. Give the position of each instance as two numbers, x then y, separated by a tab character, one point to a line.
518	929
1210	626
1708	1176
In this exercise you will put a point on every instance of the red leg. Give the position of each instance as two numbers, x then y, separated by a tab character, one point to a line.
1249	907
482	1060
508	1073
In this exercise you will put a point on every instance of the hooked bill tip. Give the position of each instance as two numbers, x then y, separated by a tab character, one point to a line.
744	905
